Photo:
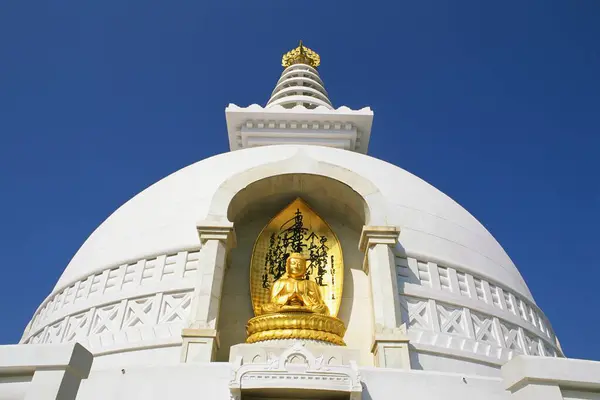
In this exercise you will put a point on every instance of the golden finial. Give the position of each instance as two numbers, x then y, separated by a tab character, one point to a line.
301	55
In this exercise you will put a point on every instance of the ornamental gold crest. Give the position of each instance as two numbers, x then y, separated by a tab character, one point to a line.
297	229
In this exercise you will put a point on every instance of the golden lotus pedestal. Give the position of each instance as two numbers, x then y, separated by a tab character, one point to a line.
296	325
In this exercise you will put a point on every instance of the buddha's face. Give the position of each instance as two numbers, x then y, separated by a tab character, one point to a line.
296	267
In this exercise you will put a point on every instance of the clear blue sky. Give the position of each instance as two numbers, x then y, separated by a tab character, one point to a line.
495	103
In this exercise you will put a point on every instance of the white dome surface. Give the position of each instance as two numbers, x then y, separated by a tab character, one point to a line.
162	218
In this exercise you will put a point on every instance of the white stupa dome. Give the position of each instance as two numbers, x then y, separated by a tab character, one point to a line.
126	293
162	218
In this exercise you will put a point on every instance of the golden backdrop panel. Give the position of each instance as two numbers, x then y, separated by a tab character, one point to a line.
297	228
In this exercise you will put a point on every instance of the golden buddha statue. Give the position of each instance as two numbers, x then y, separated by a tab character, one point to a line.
294	293
296	306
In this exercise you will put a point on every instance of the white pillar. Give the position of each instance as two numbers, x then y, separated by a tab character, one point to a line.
390	344
200	340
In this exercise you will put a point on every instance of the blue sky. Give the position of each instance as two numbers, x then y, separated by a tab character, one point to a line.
495	103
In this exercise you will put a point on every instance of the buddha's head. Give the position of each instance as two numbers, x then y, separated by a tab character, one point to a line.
296	266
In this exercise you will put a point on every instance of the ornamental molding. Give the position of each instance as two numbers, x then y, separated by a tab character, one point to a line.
166	262
142	322
255	126
438	327
454	286
162	275
295	368
449	311
117	308
372	235
221	231
266	112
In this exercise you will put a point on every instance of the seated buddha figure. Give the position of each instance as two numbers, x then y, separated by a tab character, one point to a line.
293	293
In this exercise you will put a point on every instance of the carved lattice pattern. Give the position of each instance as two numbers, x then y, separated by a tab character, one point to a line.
511	337
174	307
77	328
116	279
483	327
455	282
533	345
452	319
418	314
105	319
127	316
138	312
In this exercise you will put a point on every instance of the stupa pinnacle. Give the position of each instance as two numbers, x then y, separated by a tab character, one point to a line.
301	55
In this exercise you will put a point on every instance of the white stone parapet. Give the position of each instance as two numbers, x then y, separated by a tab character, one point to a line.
536	378
43	372
306	370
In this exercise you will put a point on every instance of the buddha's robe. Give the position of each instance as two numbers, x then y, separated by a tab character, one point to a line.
295	293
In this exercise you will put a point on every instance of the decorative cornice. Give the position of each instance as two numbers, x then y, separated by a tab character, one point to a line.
222	231
196	333
149	321
397	337
458	330
372	235
299	108
256	126
146	276
417	279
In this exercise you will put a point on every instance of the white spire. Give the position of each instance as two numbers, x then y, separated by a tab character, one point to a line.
300	84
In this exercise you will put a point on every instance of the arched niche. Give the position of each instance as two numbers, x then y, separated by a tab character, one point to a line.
325	195
252	207
374	207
